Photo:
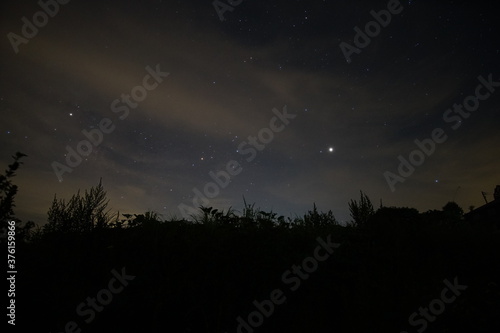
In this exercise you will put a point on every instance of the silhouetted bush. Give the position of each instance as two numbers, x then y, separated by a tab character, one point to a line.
82	213
200	275
361	210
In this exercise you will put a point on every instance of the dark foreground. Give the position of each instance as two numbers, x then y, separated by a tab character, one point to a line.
400	272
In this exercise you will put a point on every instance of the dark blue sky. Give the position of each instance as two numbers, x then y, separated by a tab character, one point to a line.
225	78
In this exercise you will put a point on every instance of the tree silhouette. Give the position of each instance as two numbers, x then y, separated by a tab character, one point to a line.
8	191
452	212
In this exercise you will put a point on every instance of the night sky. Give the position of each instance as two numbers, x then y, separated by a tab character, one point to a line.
266	98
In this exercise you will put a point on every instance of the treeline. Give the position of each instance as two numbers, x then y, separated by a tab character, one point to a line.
217	273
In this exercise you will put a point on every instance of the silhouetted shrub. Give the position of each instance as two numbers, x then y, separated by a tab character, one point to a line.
82	213
361	210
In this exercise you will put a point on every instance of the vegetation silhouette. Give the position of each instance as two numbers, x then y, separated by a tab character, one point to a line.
362	210
8	191
82	213
200	275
